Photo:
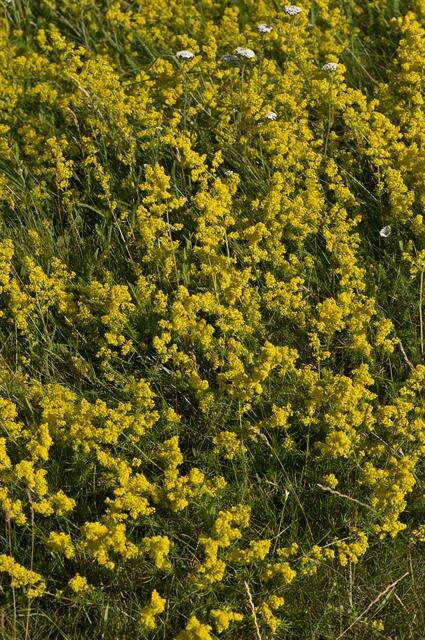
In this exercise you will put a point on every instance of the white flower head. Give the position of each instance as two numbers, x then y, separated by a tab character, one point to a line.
264	28
385	231
271	115
330	67
245	53
228	172
292	10
184	54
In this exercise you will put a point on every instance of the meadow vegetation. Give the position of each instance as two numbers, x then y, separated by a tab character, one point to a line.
212	363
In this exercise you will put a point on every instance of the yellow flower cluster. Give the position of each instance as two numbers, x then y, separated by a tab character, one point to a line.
226	530
158	548
195	630
267	609
100	540
179	489
223	618
352	551
154	608
78	583
62	543
33	583
228	445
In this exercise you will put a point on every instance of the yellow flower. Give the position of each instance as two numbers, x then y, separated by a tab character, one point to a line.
228	445
158	548
78	583
61	542
155	607
32	582
195	630
224	617
330	480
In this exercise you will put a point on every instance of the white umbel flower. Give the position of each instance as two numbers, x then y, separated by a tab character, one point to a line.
385	231
292	10
264	28
271	115
330	67
184	54
245	53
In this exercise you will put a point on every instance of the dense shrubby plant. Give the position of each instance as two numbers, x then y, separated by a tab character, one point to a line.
211	279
